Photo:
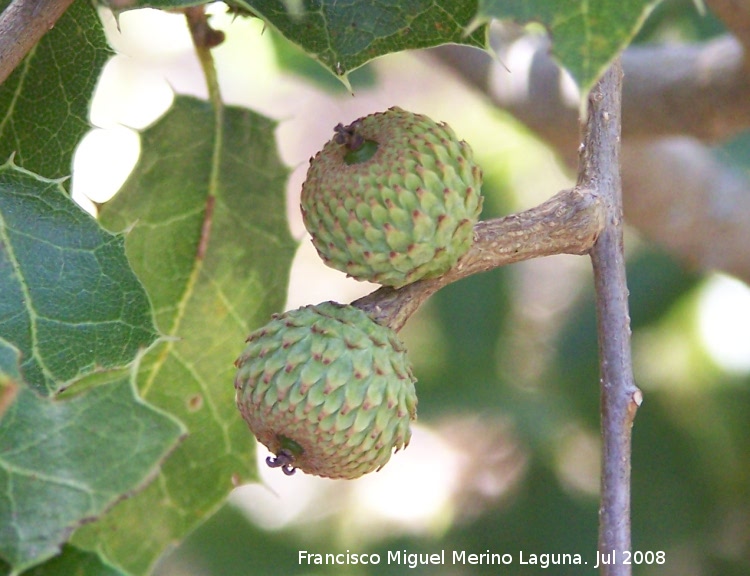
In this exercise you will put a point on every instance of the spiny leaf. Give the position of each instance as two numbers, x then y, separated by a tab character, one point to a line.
70	302
343	36
209	240
45	102
346	35
63	462
586	36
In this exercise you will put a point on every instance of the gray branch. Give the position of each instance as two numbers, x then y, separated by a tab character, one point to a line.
677	100
567	223
700	90
599	168
22	25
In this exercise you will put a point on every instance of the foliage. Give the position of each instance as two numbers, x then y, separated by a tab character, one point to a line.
585	35
118	430
46	101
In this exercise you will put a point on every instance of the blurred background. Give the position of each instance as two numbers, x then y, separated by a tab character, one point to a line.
505	455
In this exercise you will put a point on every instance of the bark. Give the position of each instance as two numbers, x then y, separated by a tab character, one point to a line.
567	223
22	25
599	169
678	101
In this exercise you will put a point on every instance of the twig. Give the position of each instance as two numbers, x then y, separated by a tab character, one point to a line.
681	195
735	14
567	223
204	37
22	25
700	89
600	168
677	191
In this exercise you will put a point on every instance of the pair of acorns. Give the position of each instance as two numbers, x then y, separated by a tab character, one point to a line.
392	198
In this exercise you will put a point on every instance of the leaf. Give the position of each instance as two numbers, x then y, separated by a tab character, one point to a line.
290	58
10	376
586	36
210	242
74	562
45	102
345	35
63	462
70	302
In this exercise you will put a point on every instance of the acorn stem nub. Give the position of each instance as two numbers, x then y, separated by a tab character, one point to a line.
359	148
348	136
282	460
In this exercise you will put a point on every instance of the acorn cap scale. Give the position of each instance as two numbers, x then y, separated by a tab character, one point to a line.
392	198
328	390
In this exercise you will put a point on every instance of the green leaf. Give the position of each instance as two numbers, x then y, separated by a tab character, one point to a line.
210	241
292	59
74	562
45	102
63	462
345	35
10	375
586	36
70	302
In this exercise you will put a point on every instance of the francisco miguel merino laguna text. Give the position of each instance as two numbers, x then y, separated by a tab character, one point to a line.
413	559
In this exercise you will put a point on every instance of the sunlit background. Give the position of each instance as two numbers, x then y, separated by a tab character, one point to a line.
486	427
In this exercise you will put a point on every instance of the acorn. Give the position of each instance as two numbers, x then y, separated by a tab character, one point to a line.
327	390
392	198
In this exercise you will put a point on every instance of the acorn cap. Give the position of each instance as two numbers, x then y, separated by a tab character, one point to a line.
392	198
328	390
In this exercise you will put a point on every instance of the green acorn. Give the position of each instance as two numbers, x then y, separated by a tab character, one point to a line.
328	390
392	198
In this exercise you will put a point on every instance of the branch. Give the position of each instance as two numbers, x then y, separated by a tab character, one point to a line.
735	14
600	167
567	223
22	25
700	90
676	191
680	195
204	36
